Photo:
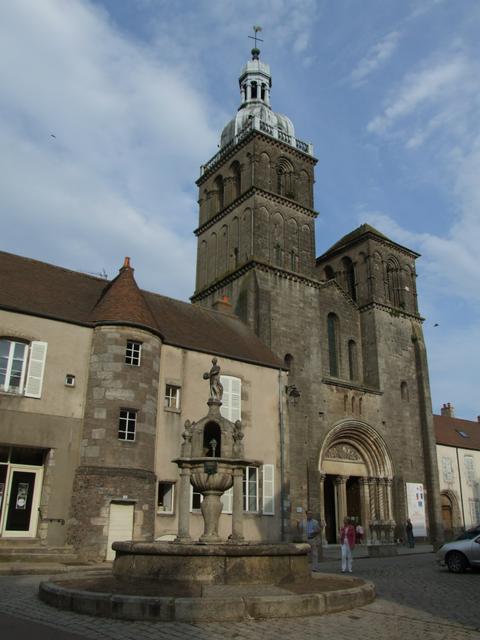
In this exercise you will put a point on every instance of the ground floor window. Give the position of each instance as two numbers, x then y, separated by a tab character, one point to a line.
165	499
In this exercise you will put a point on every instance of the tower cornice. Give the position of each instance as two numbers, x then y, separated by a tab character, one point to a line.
253	192
242	139
261	266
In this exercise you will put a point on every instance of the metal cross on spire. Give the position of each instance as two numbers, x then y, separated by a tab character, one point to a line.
256	29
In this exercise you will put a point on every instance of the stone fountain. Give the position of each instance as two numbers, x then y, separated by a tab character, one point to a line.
212	460
209	579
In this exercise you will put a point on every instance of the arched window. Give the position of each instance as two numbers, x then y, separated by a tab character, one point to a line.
219	188
236	174
352	360
254	90
349	277
328	273
293	260
285	178
288	362
404	391
262	95
393	282
278	255
333	351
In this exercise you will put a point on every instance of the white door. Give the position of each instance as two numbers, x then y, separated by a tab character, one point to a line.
120	526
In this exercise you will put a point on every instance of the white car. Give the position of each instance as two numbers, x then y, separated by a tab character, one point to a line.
461	553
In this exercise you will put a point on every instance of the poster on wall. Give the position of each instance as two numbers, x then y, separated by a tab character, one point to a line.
416	508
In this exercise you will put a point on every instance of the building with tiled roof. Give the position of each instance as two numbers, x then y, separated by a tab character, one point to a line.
99	376
458	452
97	379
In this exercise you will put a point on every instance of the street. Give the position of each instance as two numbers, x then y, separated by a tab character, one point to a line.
415	599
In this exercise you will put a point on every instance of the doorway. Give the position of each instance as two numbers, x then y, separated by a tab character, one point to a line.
330	516
120	526
20	488
353	499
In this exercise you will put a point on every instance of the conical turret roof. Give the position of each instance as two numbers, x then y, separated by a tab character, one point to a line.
122	301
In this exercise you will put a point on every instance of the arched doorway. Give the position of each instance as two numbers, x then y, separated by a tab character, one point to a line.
356	481
452	521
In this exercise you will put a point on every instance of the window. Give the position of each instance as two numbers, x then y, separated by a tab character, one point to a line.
127	424
69	380
250	489
474	510
404	391
165	497
132	353
232	398
352	360
195	499
332	331
349	277
469	468
268	493
172	397
447	469
227	501
22	367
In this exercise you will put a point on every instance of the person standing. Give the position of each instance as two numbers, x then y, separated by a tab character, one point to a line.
347	543
311	530
409	530
359	534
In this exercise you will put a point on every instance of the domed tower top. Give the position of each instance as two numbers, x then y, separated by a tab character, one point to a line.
255	83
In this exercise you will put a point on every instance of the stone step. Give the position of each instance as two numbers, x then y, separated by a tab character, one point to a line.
23	551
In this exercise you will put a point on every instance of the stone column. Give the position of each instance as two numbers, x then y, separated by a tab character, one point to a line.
372	487
184	506
341	499
389	508
365	508
381	499
237	506
322	506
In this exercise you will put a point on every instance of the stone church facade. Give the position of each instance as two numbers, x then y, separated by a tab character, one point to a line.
323	361
346	324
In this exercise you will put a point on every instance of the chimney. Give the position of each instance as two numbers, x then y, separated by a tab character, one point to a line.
223	304
447	410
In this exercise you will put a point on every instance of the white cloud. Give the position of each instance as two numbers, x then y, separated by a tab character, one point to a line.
435	82
127	129
378	55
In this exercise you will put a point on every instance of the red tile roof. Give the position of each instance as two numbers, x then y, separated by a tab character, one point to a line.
449	431
40	289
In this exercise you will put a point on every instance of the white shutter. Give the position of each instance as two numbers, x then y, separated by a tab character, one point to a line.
268	495
36	367
227	501
232	398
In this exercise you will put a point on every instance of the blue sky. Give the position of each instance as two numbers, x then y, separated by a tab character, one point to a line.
136	93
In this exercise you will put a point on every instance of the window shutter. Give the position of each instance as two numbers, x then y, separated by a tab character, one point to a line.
227	500
232	398
36	368
268	496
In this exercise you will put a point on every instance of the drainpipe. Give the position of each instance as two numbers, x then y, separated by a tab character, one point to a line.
460	485
282	456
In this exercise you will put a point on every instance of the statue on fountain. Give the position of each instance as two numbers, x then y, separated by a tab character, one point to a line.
216	387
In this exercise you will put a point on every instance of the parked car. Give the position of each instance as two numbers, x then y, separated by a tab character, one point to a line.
461	553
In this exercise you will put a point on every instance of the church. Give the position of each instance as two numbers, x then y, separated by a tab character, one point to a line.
323	360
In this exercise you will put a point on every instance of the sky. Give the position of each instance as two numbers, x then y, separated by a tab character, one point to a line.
109	107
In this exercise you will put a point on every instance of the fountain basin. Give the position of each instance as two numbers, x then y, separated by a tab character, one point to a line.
212	564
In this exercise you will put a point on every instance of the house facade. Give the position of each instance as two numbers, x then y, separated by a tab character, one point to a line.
458	453
97	380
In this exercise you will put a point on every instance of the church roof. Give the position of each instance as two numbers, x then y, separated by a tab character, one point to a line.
357	234
455	432
36	288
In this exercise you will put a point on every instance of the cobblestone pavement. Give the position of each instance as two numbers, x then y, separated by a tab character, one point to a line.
415	599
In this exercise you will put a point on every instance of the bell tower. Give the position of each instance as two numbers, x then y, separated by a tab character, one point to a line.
256	219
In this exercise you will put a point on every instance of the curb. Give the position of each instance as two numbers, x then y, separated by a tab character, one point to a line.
207	609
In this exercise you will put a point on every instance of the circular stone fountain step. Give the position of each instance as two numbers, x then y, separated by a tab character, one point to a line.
148	600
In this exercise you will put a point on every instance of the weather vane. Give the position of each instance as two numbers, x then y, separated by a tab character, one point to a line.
256	29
